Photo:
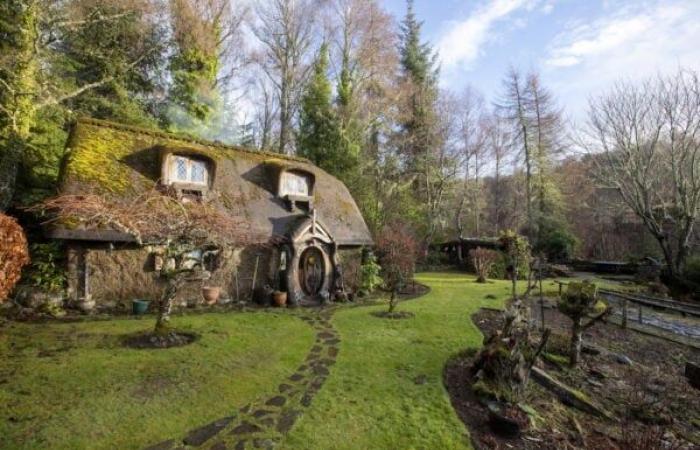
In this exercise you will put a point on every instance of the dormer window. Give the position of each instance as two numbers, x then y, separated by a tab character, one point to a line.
296	187
189	176
295	183
188	170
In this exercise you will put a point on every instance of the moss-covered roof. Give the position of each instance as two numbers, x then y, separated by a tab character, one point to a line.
114	159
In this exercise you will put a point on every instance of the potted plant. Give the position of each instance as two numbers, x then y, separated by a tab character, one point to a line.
279	298
211	294
139	307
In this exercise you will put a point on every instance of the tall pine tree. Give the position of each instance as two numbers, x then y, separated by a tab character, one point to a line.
320	136
419	79
417	136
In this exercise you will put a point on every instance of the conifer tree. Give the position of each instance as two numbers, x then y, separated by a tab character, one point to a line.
320	137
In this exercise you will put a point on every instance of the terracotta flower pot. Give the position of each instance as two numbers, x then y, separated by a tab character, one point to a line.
211	294
279	298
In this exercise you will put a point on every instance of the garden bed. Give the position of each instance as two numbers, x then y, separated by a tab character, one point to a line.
650	398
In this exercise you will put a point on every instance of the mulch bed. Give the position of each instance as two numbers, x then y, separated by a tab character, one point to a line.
156	341
393	315
651	396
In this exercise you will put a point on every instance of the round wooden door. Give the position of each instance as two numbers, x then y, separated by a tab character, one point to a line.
312	270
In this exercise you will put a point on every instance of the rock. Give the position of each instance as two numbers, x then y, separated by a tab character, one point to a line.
287	420
261	413
263	443
590	349
277	400
502	425
692	373
201	435
246	427
622	359
165	445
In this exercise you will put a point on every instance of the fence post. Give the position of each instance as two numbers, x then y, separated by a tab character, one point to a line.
560	285
624	312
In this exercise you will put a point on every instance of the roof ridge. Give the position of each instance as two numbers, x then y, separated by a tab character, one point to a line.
183	137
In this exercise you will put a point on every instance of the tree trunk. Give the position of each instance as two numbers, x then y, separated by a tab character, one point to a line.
9	167
392	301
576	343
165	307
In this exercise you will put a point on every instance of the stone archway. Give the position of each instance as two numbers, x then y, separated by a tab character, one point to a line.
310	267
311	271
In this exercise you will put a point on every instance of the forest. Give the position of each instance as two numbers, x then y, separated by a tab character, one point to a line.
356	91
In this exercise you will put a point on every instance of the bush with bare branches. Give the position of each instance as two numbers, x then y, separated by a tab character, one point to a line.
182	229
14	254
482	260
396	248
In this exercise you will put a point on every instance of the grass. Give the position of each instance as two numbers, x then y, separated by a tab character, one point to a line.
371	399
73	385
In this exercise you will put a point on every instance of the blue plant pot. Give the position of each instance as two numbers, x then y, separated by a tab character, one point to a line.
139	307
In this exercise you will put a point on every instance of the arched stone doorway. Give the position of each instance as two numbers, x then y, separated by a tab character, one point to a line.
312	271
310	255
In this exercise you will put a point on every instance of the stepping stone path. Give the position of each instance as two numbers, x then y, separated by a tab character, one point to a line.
263	423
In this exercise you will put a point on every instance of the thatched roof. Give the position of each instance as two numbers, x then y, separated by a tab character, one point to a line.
118	160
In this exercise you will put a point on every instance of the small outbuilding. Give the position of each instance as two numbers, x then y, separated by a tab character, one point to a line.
312	232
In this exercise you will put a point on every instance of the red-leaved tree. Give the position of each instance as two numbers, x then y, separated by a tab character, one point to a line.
396	249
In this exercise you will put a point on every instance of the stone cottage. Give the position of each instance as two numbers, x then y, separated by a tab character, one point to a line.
315	226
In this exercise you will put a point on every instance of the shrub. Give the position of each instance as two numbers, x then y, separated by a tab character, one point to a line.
14	254
498	269
579	302
46	269
482	260
396	246
555	240
692	269
369	275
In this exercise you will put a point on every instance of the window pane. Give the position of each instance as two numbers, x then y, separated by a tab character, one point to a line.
181	169
293	184
198	174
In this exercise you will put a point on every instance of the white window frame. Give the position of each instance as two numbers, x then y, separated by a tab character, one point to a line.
297	180
190	164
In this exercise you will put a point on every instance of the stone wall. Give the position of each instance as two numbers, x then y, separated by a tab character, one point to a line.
120	273
350	259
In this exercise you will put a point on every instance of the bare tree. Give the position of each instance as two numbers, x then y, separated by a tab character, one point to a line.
497	138
472	119
649	135
513	107
286	30
548	128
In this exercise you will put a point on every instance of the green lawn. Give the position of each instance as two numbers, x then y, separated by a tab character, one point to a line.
73	386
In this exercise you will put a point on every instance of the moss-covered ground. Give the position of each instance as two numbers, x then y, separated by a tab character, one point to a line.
74	386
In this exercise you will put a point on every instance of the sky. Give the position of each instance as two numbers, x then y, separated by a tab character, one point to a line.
580	47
